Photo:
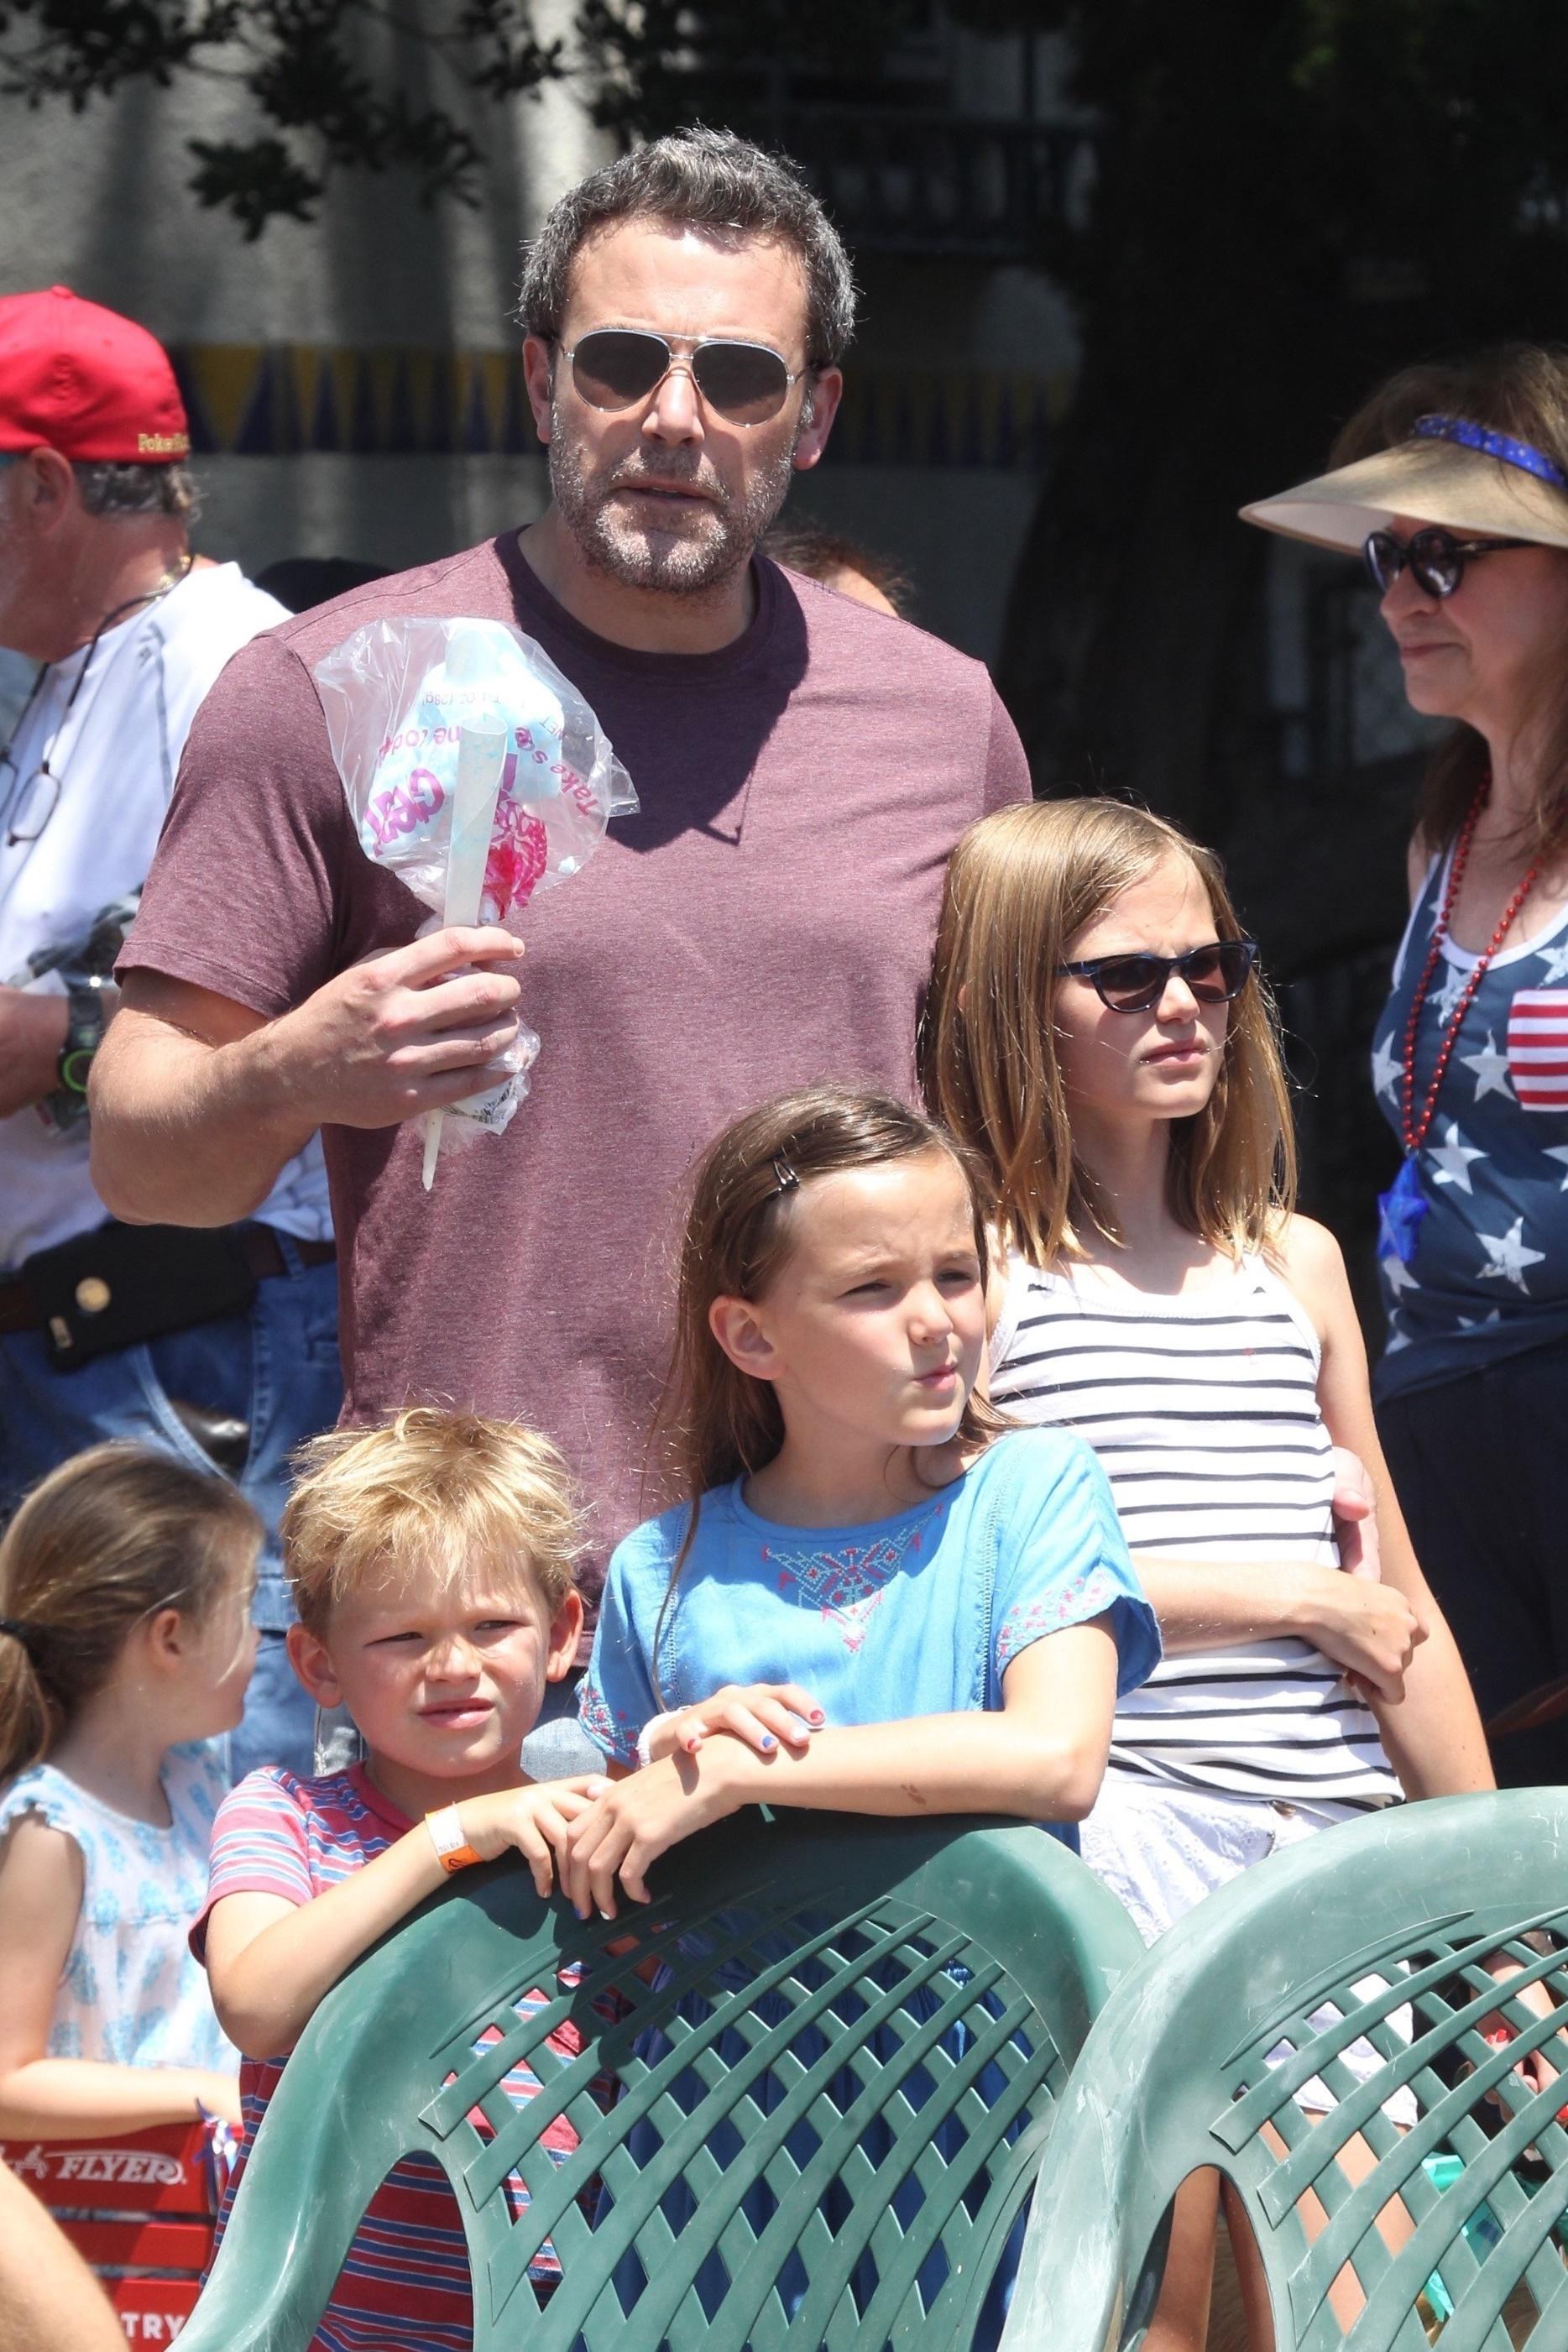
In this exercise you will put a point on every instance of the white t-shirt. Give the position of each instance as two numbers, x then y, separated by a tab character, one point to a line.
114	753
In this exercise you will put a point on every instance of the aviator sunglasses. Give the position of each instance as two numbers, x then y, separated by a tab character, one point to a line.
1436	557
1135	983
616	367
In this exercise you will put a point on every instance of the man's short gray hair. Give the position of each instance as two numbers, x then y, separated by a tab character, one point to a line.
109	488
704	180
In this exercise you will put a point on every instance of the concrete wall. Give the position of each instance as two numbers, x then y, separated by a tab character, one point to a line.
98	202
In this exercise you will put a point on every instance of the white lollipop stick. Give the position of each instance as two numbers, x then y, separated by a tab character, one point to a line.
481	755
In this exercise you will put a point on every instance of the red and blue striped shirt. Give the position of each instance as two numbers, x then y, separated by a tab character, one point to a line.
406	2284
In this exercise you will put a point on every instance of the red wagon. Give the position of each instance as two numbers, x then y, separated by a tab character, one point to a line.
140	2211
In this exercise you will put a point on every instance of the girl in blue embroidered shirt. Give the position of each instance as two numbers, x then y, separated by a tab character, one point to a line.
953	1608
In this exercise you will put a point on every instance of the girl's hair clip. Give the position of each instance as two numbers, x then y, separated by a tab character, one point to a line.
784	1178
19	1631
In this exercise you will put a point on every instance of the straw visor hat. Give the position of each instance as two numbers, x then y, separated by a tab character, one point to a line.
1451	471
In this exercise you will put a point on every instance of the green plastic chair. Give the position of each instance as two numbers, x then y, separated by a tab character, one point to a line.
829	2099
1311	1953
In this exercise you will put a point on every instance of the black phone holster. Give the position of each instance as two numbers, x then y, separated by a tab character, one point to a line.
120	1285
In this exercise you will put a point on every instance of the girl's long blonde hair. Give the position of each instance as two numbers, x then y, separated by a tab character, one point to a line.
107	1539
1021	887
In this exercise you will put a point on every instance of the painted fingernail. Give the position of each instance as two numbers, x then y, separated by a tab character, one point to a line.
816	1715
768	1743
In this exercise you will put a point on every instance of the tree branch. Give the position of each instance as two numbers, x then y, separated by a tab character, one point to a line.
317	110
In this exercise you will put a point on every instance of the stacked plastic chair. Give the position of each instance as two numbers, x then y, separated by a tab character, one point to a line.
817	2079
1428	2204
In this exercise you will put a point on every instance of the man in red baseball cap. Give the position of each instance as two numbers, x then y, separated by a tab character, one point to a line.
218	1347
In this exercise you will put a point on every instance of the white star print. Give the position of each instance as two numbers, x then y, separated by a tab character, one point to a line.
1559	1151
1454	1159
1398	1276
1508	1255
1387	1069
1491	1070
1448	995
1556	962
1396	1340
1481	1322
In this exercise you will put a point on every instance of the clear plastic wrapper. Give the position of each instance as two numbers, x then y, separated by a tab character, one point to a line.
478	774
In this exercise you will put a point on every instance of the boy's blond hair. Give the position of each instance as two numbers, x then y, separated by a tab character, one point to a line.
433	1492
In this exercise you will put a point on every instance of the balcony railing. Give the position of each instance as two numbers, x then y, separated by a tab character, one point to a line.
900	181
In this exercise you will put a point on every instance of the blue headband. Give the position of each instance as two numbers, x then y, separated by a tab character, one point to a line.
1495	445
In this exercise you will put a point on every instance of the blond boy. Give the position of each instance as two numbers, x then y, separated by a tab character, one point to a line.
431	1561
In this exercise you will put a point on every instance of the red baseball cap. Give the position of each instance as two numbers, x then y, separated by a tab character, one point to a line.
82	380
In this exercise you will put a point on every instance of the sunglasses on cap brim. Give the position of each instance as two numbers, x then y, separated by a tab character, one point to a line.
1135	983
617	368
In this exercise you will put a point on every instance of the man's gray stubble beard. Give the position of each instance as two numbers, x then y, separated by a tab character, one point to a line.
694	566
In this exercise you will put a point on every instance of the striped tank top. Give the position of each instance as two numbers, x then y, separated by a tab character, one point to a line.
404	2285
1203	1411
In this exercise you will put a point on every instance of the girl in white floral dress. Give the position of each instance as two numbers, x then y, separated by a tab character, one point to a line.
125	1648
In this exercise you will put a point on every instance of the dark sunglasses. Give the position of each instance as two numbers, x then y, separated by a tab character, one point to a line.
1135	983
1436	557
616	367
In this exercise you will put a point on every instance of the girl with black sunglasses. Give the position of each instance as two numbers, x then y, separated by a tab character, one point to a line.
1098	1034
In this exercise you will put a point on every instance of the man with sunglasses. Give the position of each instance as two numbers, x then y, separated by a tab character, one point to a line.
106	1332
804	764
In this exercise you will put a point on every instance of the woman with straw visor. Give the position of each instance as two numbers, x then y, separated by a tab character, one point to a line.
1453	483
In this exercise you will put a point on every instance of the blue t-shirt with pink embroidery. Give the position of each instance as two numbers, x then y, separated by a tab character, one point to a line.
921	1613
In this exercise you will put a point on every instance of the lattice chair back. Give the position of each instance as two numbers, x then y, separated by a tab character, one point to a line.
814	2084
1318	2032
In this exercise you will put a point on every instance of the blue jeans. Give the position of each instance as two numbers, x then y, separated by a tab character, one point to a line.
275	1368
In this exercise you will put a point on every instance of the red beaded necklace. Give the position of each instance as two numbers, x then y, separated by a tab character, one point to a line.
1413	1131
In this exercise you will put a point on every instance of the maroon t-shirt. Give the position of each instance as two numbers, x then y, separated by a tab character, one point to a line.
766	921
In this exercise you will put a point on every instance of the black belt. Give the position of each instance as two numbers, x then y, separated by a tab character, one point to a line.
22	1310
264	1252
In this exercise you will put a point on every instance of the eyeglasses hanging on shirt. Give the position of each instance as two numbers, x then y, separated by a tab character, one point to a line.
28	802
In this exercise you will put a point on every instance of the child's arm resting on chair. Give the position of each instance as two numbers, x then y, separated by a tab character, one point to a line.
270	1960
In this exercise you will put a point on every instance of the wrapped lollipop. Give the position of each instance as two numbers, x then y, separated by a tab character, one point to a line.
476	771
